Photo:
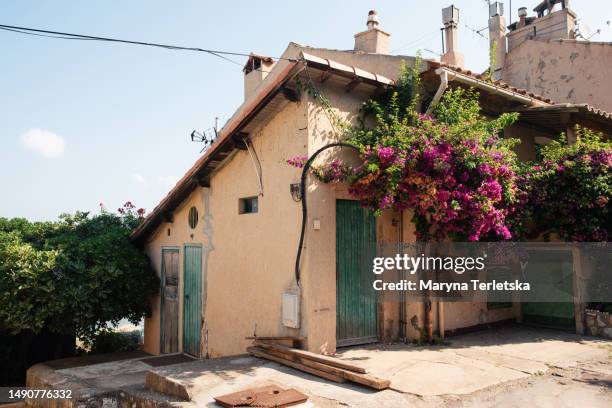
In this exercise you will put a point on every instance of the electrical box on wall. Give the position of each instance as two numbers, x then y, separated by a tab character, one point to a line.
291	310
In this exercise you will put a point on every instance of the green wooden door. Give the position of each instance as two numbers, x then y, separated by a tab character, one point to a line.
555	270
356	301
192	302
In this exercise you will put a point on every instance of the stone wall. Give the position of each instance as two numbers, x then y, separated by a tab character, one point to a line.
599	323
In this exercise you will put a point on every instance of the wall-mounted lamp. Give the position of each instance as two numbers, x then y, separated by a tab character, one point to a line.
296	191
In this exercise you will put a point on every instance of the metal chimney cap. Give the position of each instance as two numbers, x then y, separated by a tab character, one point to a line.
372	19
450	15
496	9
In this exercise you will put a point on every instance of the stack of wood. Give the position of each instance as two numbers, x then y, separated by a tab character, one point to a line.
326	367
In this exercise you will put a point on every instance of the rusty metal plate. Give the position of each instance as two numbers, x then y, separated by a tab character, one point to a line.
268	396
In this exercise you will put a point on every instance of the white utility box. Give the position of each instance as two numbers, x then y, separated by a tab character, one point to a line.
291	310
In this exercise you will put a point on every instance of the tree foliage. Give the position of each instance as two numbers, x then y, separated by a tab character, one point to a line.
460	177
73	275
452	168
570	189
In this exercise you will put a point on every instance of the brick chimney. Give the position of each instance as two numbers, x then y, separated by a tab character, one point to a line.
255	71
497	38
550	23
450	18
373	40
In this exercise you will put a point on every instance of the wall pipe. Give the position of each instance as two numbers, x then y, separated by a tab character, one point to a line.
441	89
402	308
304	208
256	165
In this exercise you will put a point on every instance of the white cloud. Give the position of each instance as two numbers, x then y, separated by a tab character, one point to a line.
138	178
168	181
43	142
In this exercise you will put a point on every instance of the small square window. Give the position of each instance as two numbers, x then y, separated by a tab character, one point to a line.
248	205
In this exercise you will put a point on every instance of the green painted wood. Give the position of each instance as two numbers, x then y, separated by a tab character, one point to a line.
356	300
555	267
192	302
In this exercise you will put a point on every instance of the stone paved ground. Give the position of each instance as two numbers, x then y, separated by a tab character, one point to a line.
512	366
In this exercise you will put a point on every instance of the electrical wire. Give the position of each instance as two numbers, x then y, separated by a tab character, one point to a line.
71	36
298	257
307	165
415	42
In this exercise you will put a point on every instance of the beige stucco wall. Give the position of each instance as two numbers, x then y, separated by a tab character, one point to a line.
565	71
249	259
319	265
179	234
251	262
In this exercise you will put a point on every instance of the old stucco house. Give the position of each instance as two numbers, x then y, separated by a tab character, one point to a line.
224	239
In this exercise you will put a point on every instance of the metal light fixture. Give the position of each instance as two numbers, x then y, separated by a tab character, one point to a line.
296	191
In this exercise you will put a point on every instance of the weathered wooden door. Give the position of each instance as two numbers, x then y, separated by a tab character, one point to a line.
555	270
356	301
169	300
192	309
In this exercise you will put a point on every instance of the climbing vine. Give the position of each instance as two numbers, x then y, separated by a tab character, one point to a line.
460	178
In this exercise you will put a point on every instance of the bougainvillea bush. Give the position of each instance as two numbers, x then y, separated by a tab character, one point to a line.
569	191
451	168
461	178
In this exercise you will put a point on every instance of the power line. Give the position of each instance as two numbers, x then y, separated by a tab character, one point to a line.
478	32
72	36
415	42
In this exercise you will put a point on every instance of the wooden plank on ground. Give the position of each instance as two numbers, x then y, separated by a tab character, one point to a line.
363	379
274	338
314	357
261	353
290	341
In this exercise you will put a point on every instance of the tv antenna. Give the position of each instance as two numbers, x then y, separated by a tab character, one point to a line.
583	31
206	136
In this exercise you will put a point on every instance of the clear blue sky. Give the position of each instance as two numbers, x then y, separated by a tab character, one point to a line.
88	122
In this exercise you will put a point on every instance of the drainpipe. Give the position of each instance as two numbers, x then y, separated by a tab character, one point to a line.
256	165
441	318
441	89
402	307
429	318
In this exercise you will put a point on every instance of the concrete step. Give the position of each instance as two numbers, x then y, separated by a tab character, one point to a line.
198	379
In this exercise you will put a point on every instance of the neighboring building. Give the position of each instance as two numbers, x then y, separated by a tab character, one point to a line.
224	239
547	54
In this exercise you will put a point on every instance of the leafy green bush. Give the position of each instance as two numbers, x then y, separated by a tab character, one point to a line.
452	169
74	275
108	341
570	189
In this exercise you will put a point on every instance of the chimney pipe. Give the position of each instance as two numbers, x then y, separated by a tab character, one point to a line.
522	13
450	18
373	40
372	19
497	39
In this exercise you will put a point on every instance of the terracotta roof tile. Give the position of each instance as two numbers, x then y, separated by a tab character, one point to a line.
501	84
